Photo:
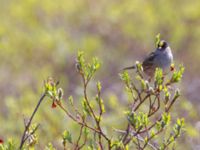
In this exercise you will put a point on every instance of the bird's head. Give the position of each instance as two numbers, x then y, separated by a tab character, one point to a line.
162	45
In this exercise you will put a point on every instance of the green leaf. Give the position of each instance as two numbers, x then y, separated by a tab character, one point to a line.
127	147
152	133
158	125
60	93
146	139
67	136
99	86
177	94
139	66
86	109
86	132
178	126
165	120
71	100
95	64
80	64
138	120
158	76
177	75
49	147
142	82
167	94
125	77
157	40
9	145
131	118
1	147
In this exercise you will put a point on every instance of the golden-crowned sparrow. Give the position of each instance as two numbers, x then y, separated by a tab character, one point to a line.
161	58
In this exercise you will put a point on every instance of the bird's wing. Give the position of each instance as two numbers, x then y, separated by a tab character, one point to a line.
149	61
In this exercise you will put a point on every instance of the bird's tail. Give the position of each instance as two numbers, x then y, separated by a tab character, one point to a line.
128	68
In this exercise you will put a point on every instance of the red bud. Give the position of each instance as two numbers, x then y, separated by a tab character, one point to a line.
53	105
172	68
1	141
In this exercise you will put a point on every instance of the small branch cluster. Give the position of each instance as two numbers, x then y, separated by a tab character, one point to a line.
144	126
81	117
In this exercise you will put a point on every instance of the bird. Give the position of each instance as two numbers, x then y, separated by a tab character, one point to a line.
161	57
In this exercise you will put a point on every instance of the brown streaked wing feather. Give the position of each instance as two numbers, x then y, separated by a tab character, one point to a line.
148	65
149	60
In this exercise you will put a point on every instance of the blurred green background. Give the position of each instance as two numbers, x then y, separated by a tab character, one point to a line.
40	38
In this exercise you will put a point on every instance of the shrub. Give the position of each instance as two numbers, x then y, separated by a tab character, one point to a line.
148	123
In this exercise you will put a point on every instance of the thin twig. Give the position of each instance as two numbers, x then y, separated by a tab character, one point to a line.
77	121
35	129
172	102
23	139
85	83
158	106
139	137
141	102
151	137
79	138
84	142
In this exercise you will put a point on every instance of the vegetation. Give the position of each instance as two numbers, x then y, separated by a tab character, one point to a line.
143	127
41	38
